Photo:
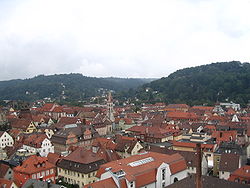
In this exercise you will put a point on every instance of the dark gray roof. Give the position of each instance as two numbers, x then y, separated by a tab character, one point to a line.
40	184
207	182
60	137
80	167
229	147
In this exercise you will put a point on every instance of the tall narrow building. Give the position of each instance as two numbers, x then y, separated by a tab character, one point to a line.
110	108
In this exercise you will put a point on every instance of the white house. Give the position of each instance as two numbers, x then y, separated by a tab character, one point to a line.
38	143
147	169
5	139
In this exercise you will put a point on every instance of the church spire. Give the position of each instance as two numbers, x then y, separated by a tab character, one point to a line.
110	108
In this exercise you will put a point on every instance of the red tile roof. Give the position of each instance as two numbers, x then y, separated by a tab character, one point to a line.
178	106
58	109
20	123
192	145
106	183
34	164
53	158
69	120
242	173
134	115
48	107
81	155
35	140
69	110
175	161
205	108
182	115
224	136
141	180
105	143
155	131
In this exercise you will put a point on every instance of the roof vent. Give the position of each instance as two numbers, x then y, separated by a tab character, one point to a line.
108	169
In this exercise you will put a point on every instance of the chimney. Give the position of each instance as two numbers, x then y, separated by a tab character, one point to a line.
198	169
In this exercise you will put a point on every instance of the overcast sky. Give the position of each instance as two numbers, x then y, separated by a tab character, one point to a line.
129	38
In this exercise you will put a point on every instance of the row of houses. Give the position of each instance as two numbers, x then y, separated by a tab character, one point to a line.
92	146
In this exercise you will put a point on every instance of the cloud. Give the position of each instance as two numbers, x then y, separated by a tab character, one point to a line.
139	38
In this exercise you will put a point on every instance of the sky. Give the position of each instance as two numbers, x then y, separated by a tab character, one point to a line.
120	38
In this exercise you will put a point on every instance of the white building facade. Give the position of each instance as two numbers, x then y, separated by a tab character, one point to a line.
5	139
44	148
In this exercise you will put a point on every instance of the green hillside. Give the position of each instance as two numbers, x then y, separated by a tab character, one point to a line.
216	82
73	86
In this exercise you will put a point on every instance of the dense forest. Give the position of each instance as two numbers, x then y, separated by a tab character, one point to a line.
206	84
71	86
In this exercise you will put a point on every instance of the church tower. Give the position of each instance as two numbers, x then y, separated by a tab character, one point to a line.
110	108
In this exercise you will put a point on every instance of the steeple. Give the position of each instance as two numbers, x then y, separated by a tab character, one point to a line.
110	109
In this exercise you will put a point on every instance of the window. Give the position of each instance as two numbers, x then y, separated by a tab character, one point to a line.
175	179
33	176
131	184
51	171
163	173
163	184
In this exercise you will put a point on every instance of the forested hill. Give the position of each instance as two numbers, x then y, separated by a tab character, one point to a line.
216	82
73	86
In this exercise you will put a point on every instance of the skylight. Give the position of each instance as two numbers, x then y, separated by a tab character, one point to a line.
141	162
